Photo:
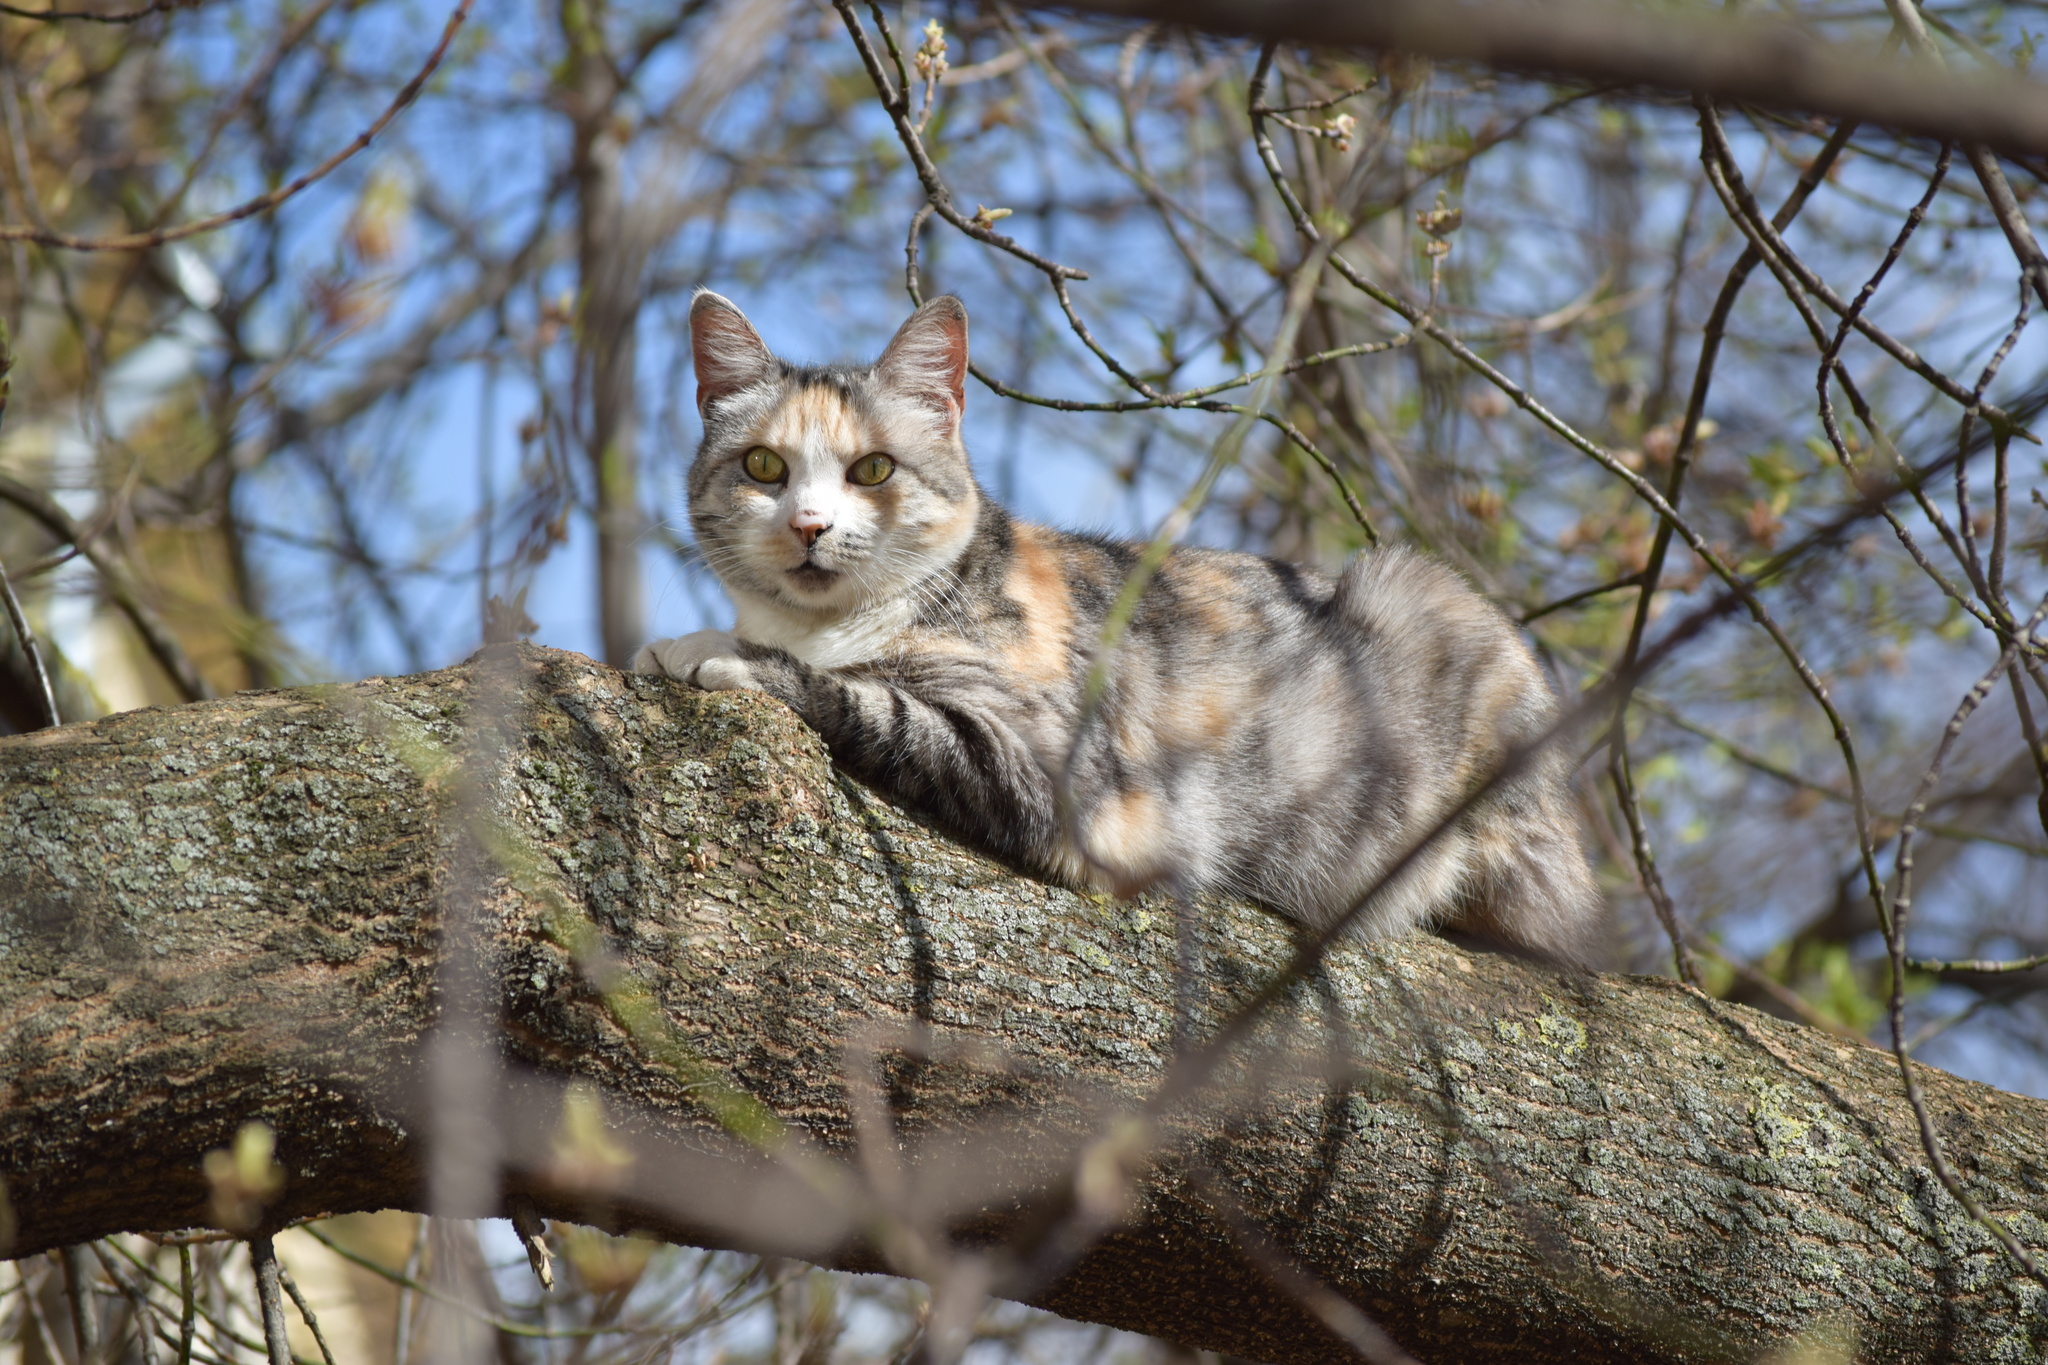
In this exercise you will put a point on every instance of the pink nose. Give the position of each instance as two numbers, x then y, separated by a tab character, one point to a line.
808	527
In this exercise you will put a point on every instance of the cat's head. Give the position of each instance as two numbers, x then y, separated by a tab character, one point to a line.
836	488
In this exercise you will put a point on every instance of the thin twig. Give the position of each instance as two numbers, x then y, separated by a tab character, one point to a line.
1535	614
85	1319
284	1277
1894	925
1977	964
188	1305
263	1258
29	647
156	636
138	1305
1646	859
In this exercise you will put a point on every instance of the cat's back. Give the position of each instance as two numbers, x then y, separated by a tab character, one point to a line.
1223	646
1223	633
1197	591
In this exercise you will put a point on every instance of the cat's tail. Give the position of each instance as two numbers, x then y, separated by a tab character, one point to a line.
1456	666
1528	883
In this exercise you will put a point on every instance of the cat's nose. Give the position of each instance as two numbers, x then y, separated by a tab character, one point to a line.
808	527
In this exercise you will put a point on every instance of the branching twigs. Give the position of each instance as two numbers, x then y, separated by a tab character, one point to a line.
1199	399
194	1311
1660	543
1723	175
262	203
138	1305
895	97
1992	612
1743	589
1997	190
1744	209
253	84
1894	925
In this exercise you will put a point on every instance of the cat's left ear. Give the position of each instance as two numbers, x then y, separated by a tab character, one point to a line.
927	360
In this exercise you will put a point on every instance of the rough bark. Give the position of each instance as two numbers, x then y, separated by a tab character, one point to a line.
231	910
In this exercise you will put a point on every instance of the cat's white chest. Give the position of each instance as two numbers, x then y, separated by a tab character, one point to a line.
833	643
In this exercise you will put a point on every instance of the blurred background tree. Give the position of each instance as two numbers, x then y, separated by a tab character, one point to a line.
318	440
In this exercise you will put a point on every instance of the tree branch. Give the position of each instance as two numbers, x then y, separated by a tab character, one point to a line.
1755	61
231	911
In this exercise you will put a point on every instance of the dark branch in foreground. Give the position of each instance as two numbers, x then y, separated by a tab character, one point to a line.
1756	61
232	911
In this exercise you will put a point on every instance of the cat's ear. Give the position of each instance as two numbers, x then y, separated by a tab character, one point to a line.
928	358
728	352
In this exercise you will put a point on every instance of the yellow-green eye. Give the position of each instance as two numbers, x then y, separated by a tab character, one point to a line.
870	470
765	465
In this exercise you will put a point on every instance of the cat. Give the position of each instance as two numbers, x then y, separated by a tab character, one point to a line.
1266	731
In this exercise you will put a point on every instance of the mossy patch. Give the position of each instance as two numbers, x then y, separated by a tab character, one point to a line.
1788	1129
1559	1030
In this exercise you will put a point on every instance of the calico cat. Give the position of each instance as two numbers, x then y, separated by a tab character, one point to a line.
1267	731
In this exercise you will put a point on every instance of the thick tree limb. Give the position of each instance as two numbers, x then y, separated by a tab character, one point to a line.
1760	61
231	910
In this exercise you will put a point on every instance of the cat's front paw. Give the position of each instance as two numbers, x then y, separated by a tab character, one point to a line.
725	674
681	657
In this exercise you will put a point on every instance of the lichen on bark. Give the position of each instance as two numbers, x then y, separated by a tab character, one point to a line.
234	910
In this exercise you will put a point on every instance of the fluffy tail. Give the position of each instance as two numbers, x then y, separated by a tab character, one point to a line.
1529	884
1449	661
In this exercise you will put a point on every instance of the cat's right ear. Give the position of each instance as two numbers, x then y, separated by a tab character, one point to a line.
729	353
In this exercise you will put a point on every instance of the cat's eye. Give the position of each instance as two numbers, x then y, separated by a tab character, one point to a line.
870	470
765	465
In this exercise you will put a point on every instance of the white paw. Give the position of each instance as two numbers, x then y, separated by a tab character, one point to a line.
679	658
725	674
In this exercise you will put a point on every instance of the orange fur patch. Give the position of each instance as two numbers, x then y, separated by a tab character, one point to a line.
1200	713
815	414
1127	837
1209	593
1037	585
